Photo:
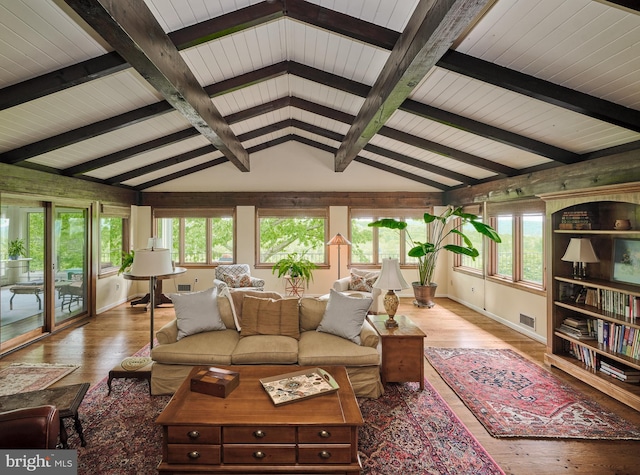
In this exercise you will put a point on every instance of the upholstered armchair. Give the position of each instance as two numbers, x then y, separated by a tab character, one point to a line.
30	428
361	282
236	276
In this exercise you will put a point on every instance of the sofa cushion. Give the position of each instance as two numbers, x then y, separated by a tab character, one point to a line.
237	297
200	349
344	316
311	312
362	281
265	349
316	348
197	312
265	316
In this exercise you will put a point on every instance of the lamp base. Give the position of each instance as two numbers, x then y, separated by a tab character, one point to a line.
391	302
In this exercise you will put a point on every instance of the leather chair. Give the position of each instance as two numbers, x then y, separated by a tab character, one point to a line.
30	428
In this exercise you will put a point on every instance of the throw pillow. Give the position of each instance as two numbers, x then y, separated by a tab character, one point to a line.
197	312
237	298
344	316
270	317
242	280
311	312
363	282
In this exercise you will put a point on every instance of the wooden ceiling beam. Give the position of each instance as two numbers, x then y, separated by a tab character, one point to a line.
431	30
542	90
132	30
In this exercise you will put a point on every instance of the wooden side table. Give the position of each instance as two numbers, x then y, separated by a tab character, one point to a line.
402	350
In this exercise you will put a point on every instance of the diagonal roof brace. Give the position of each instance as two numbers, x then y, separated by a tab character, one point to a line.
432	29
132	30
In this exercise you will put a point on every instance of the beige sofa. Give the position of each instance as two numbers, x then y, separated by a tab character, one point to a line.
174	358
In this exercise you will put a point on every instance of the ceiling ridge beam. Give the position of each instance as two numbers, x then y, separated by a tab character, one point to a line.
542	90
132	30
430	32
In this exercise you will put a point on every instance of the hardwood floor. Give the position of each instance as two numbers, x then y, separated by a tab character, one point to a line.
113	335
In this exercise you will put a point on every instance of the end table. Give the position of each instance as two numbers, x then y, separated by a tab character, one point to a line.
402	350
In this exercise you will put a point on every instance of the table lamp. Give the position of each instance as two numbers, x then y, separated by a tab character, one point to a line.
151	263
580	252
339	240
391	279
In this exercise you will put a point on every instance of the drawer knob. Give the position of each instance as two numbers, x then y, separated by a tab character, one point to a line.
194	455
259	434
325	455
194	434
324	434
259	455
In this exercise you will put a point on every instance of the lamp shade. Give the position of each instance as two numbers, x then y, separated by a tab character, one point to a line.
390	276
339	240
580	250
151	262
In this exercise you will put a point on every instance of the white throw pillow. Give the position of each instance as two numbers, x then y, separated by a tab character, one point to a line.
344	316
197	312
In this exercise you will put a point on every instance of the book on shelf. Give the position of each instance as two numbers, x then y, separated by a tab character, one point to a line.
620	372
583	219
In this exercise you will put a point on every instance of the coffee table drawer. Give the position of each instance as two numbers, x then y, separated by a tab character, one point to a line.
259	454
193	454
338	453
193	434
261	435
324	435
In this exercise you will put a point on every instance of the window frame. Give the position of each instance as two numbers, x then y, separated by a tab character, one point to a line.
517	210
400	214
458	259
203	213
123	213
317	213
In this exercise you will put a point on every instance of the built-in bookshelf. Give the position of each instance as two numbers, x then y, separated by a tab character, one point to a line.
593	326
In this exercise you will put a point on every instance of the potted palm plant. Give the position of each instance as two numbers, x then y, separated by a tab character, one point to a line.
16	249
296	266
427	253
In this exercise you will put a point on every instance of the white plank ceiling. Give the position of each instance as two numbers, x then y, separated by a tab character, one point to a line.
289	77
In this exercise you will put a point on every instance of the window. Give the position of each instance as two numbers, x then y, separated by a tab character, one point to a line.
197	237
520	256
282	231
370	245
114	227
468	263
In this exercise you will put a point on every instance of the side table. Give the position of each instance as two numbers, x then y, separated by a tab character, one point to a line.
402	350
66	398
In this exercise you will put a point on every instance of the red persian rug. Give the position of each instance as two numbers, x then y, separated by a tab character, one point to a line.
407	431
513	397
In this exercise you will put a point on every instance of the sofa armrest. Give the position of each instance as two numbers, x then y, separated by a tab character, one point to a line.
168	333
219	284
368	335
342	284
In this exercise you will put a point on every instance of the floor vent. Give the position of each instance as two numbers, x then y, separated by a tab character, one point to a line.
184	287
528	321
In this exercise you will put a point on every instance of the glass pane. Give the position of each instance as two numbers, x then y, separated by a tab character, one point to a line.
476	238
280	236
532	248
195	240
504	256
111	243
22	290
417	229
70	240
222	239
168	231
361	241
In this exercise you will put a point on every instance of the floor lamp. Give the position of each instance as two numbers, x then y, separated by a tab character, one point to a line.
338	240
151	263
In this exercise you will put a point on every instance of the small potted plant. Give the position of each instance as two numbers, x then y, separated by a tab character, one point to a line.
16	249
127	260
296	266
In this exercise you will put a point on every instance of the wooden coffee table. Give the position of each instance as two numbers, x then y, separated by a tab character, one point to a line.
246	433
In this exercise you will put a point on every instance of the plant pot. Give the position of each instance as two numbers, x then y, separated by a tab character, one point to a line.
424	294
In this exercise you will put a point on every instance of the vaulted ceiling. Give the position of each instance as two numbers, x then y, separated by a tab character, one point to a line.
445	93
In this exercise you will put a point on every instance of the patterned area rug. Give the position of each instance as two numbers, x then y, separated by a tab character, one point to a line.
513	397
23	377
407	431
